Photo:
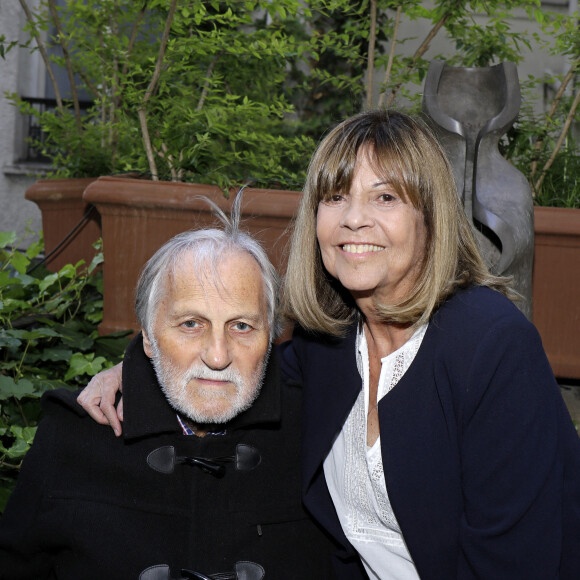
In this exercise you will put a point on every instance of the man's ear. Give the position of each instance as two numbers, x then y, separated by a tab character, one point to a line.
147	345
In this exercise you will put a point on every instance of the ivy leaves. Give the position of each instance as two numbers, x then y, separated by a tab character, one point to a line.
48	340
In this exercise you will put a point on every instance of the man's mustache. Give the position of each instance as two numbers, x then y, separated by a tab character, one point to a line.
200	372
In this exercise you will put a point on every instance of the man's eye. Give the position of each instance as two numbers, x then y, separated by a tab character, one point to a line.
190	324
242	326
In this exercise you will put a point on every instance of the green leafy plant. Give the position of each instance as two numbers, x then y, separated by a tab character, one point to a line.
226	92
553	171
541	143
561	185
181	90
48	340
550	156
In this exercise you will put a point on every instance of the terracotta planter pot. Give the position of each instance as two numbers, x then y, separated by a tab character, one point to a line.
62	206
556	287
139	216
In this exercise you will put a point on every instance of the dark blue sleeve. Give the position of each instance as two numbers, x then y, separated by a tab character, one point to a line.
516	441
289	363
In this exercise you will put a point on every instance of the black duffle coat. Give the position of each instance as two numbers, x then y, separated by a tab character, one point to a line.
92	506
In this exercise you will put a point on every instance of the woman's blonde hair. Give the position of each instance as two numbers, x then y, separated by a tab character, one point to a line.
405	154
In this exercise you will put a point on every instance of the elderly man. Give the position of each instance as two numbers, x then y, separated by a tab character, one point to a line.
204	482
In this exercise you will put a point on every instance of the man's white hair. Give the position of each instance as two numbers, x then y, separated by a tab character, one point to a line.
204	249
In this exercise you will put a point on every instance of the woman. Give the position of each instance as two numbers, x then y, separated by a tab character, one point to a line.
436	442
452	459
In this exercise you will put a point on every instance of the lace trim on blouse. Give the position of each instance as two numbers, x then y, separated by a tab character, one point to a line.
354	472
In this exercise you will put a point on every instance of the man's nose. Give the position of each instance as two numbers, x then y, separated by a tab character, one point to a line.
216	352
356	214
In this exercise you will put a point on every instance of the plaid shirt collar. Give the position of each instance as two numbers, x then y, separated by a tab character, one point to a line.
187	430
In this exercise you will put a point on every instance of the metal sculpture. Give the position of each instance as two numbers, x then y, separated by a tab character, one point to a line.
470	109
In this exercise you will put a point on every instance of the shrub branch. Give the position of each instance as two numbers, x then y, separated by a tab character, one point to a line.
423	49
43	54
69	68
557	98
371	53
391	54
142	111
558	146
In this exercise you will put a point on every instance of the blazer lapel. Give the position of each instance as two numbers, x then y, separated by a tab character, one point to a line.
421	461
331	386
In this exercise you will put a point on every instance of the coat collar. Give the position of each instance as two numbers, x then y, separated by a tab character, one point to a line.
147	411
332	384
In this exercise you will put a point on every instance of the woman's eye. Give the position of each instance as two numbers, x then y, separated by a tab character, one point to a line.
334	198
386	197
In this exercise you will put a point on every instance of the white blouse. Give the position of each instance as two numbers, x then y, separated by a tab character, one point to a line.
355	478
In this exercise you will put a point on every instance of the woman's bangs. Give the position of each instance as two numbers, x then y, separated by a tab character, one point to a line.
387	161
335	172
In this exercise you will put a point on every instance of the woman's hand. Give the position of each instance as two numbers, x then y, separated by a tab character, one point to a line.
98	398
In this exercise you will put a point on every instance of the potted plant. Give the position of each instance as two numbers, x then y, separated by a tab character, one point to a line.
210	108
555	177
556	279
138	216
82	136
180	91
70	225
234	92
545	149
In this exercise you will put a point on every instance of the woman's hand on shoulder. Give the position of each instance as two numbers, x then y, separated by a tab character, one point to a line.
98	398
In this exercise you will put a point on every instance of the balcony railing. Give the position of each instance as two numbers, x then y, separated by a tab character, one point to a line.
34	137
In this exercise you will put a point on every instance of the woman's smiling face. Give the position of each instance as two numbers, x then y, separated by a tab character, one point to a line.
371	240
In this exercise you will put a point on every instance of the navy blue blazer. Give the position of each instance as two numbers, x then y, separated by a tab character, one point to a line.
481	459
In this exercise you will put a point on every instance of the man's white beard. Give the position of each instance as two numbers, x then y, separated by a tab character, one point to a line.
175	385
